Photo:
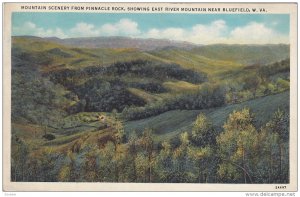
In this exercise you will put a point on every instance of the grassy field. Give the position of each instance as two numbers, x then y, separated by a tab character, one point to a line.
179	86
197	62
146	96
170	124
244	54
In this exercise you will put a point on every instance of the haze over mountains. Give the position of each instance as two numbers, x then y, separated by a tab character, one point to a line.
242	53
114	42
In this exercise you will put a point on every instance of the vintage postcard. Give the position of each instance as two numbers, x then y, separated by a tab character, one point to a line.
150	97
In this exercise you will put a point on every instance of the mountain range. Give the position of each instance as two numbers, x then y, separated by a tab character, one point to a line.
115	42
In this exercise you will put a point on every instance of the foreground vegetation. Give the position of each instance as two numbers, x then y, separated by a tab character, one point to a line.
239	153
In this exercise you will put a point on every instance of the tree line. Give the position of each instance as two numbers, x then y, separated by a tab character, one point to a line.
259	80
208	96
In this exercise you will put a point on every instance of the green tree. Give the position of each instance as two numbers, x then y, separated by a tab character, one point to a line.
252	83
279	126
282	84
203	162
132	154
90	166
184	171
237	147
148	146
120	163
64	174
19	159
120	135
142	166
68	172
164	165
268	165
107	166
203	133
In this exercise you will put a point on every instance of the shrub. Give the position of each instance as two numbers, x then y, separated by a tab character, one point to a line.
49	137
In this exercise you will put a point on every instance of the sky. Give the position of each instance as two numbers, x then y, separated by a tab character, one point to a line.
195	28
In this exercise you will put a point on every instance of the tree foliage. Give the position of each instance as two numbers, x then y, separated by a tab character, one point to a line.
240	153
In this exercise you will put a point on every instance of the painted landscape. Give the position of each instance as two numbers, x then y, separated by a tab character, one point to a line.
143	110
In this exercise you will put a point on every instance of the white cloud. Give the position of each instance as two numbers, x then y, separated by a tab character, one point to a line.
128	26
256	33
169	33
198	33
125	27
84	30
218	32
29	28
214	32
274	23
208	34
122	27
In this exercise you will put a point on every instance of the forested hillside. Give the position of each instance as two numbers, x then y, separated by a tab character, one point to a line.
179	113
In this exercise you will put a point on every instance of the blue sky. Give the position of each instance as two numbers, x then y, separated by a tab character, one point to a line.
196	28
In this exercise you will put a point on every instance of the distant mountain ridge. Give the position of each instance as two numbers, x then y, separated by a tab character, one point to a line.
115	42
183	53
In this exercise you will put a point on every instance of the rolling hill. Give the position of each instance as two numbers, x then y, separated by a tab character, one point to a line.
245	54
103	79
166	127
98	109
215	60
170	124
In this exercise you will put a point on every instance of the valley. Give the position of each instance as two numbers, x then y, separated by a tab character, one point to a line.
117	109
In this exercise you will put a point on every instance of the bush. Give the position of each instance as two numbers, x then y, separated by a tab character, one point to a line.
272	69
49	137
